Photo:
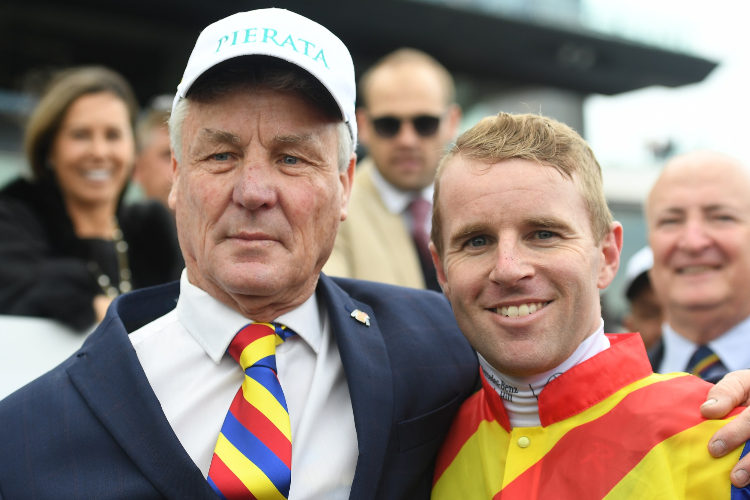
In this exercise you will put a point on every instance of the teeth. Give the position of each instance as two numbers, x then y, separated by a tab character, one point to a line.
98	174
522	310
695	269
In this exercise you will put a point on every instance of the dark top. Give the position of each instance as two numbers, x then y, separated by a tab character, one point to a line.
46	270
93	427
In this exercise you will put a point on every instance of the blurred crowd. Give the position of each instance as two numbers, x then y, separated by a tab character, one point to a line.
70	243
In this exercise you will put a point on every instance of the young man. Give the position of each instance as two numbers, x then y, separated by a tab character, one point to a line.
523	242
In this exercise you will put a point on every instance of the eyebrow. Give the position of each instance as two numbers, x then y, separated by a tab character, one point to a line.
467	230
548	222
294	138
219	136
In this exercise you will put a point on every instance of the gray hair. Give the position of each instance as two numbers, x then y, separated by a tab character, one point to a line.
275	75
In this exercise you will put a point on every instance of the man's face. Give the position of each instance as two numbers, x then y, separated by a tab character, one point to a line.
258	198
407	160
699	229
517	236
153	167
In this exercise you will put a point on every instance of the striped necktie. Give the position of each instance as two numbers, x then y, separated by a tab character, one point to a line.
253	455
706	365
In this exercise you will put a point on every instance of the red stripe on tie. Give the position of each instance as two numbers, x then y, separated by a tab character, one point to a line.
247	336
261	427
229	484
592	458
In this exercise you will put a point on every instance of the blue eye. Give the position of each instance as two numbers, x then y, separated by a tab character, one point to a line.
290	160
545	235
221	156
478	241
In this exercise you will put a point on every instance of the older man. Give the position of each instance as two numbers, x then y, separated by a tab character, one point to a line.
698	215
268	380
523	242
406	118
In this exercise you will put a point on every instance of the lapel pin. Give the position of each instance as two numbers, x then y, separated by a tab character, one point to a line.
360	316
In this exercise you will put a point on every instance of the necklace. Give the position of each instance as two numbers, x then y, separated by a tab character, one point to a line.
104	281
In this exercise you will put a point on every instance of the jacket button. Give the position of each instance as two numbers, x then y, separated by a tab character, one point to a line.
524	442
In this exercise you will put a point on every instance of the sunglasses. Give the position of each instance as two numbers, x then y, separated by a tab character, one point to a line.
388	126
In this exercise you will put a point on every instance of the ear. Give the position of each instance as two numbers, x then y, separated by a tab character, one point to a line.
442	280
363	126
453	119
610	249
172	199
347	179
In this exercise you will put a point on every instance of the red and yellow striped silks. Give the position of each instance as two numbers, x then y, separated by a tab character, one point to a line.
253	455
611	430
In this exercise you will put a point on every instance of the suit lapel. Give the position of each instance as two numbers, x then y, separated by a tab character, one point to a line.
368	374
110	379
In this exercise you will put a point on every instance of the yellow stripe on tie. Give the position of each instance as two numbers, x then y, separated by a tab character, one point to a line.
257	350
259	397
246	471
697	369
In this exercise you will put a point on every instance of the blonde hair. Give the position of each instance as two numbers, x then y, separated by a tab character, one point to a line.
536	138
407	56
62	91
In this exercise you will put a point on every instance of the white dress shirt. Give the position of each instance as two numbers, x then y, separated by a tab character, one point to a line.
520	395
397	201
731	347
183	356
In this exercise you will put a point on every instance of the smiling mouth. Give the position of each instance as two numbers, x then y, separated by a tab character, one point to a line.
98	174
689	270
520	310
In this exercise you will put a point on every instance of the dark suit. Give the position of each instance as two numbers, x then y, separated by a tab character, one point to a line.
93	428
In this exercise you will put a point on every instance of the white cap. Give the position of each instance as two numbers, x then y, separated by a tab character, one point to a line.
639	263
283	34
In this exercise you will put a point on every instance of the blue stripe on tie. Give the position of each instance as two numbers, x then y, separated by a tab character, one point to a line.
267	362
216	488
258	453
268	379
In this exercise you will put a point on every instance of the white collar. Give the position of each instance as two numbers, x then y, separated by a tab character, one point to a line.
731	347
395	199
520	395
213	325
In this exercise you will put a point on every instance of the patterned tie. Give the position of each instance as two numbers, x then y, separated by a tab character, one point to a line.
706	365
253	455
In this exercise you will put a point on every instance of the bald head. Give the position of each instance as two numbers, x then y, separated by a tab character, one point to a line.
698	216
695	169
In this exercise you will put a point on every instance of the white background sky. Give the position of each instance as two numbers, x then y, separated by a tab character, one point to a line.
713	114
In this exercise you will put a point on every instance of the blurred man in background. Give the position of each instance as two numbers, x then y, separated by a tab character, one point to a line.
153	166
645	310
406	118
698	215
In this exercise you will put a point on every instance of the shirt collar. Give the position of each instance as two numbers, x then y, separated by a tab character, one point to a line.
585	384
213	324
730	347
395	199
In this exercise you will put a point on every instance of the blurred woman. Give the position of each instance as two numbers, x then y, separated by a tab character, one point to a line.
68	245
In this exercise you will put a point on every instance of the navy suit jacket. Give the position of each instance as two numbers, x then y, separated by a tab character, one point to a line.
93	427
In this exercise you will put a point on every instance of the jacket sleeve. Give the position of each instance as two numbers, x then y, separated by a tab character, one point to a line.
32	281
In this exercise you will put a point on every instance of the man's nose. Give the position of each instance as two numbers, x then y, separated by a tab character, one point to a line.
407	134
511	264
256	186
695	237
